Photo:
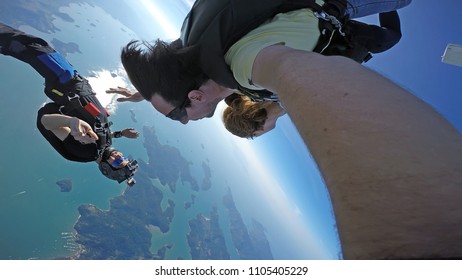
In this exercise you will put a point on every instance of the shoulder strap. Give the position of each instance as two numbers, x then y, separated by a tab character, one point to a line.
77	98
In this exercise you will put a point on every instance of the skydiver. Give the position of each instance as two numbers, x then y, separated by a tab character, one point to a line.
75	123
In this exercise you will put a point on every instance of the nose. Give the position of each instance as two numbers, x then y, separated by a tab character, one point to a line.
184	120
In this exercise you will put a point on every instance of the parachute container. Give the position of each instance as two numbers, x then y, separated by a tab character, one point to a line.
453	55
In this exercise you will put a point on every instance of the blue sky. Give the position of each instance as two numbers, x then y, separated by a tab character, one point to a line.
415	63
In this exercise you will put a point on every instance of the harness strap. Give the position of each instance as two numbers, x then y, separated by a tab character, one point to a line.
77	96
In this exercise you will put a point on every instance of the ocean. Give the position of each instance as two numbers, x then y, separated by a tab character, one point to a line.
36	217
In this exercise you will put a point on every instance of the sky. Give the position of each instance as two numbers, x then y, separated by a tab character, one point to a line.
415	63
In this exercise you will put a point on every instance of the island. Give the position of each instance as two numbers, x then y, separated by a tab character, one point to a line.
251	245
166	162
206	182
65	185
133	116
125	230
65	48
42	14
122	232
206	239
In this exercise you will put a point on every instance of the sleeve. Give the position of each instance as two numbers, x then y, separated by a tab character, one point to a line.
36	52
388	34
58	145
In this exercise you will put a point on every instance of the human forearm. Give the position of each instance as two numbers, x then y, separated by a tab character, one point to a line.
376	146
62	125
55	121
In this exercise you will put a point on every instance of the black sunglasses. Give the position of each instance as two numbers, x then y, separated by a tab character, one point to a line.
179	112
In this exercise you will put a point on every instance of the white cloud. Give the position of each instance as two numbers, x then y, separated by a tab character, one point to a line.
103	79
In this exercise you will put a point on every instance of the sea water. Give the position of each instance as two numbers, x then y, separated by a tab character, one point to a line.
36	217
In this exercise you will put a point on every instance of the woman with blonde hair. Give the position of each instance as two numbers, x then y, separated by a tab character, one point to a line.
248	119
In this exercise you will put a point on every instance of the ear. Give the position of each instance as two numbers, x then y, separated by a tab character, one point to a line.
196	96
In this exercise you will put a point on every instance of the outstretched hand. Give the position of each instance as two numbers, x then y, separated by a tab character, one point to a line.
130	133
128	95
82	131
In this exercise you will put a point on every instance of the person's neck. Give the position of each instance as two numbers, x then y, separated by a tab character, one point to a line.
276	109
227	92
221	91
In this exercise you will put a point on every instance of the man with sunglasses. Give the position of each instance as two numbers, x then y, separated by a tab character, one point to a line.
182	79
75	124
197	104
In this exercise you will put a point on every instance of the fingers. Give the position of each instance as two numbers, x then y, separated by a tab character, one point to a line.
77	128
131	133
89	137
117	89
85	139
122	99
120	90
112	90
82	131
92	135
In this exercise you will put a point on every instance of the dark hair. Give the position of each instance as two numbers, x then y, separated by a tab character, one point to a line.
162	68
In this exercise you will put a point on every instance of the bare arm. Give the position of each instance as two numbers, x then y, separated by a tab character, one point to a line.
384	154
62	126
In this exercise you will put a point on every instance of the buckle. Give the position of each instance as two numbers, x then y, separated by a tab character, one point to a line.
333	20
72	97
99	128
61	108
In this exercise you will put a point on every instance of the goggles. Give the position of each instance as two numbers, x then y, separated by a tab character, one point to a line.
117	162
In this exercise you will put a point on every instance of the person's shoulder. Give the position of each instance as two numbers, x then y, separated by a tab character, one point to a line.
49	108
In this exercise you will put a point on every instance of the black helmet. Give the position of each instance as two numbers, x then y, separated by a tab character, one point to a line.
121	174
107	153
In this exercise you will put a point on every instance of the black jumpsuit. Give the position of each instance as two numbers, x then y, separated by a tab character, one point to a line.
62	82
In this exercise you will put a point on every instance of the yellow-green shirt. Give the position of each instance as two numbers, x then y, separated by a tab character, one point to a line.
296	29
